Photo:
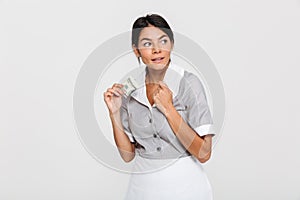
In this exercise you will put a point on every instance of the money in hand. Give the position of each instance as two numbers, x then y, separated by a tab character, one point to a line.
129	85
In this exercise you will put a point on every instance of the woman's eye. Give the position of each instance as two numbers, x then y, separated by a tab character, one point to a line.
147	44
164	41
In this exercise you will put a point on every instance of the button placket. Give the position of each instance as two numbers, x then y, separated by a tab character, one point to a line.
156	134
151	119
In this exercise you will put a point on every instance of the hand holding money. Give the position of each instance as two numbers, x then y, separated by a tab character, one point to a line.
112	98
129	85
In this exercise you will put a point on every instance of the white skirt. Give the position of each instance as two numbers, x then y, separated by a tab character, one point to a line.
179	179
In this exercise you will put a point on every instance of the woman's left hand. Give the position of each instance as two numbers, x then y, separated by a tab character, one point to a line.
163	98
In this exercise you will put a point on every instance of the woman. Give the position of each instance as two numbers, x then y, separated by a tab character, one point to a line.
165	120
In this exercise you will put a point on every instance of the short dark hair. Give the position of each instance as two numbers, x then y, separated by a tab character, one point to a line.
150	19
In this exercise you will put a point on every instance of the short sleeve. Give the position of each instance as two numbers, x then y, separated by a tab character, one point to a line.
198	113
124	119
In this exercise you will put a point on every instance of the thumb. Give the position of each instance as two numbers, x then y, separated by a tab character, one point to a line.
162	85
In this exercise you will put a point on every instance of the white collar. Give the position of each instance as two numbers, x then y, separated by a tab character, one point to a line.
172	79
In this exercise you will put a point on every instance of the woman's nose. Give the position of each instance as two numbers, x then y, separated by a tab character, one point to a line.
156	48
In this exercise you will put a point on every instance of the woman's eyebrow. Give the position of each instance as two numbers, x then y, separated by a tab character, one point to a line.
162	36
145	39
148	39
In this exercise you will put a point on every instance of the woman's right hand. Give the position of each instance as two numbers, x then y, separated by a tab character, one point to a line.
113	98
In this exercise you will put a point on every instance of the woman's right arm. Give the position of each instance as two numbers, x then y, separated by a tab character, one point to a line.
113	100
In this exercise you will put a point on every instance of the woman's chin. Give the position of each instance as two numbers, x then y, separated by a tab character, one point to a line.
157	66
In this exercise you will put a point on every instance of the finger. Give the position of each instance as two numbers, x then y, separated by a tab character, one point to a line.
119	90
159	90
108	94
113	92
156	92
155	97
117	85
162	85
165	87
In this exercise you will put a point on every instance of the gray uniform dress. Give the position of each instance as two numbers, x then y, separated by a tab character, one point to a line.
164	169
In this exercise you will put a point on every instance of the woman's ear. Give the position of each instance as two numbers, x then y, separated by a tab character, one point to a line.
136	51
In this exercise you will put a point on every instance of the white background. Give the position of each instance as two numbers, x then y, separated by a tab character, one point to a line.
255	46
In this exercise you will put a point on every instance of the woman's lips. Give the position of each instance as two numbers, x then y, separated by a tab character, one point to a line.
157	60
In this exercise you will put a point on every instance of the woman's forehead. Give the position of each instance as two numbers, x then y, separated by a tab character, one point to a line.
151	33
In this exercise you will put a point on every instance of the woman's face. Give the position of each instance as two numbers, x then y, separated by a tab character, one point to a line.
154	47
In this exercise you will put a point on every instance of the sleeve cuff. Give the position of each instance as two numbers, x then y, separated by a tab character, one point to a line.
205	130
129	136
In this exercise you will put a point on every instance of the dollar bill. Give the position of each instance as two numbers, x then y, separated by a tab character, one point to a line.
130	85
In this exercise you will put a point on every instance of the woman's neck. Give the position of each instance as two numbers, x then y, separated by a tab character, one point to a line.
154	76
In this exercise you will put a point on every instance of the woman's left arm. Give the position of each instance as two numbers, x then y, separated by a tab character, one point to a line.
200	147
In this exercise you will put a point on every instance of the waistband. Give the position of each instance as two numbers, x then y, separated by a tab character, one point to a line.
165	156
144	165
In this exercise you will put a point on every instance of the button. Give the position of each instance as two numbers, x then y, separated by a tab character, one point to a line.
150	120
158	148
154	135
